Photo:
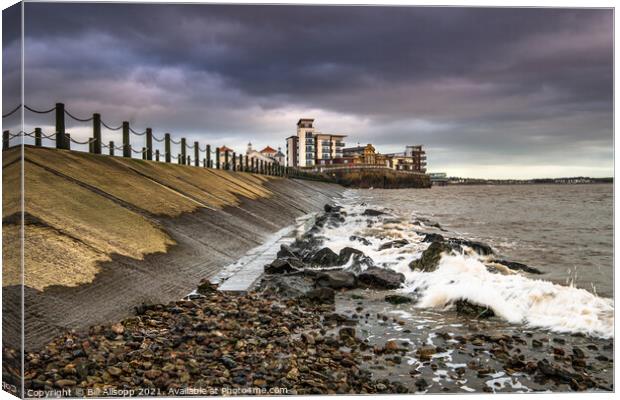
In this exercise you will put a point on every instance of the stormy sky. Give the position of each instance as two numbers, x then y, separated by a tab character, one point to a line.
489	92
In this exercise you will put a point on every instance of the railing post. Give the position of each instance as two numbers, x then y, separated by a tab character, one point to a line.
209	156
196	154
156	155
188	161
254	165
234	161
217	158
5	140
38	141
126	145
97	133
226	166
144	153
91	146
111	148
149	144
184	157
240	162
168	155
60	126
179	159
204	163
261	167
67	141
247	166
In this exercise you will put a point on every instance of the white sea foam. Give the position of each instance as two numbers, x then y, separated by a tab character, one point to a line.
514	297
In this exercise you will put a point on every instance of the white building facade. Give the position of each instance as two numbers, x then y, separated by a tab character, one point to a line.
310	147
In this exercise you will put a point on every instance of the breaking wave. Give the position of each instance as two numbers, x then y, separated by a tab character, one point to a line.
515	297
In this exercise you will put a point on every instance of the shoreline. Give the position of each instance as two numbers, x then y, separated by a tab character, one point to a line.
324	338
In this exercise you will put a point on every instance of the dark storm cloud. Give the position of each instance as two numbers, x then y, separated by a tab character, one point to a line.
473	84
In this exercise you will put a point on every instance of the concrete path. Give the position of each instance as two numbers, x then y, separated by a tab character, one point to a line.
241	276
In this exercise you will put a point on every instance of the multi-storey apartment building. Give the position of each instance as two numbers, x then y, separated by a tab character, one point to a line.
412	159
310	147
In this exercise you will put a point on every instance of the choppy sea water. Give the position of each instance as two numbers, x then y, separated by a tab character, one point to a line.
565	231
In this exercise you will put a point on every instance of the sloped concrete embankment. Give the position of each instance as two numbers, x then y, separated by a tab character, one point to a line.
104	234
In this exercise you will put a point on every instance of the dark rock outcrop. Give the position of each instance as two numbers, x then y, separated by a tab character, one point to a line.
430	257
398	243
398	299
465	307
321	295
481	248
346	253
381	278
360	239
325	258
283	266
369	212
336	280
515	266
432	237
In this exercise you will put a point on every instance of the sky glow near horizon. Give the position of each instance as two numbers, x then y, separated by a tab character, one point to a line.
490	93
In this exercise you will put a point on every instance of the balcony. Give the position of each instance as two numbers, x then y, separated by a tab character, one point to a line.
339	144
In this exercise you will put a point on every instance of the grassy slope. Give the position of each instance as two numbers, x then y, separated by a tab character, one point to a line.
83	208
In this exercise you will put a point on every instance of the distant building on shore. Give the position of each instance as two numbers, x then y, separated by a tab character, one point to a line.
412	159
310	147
268	154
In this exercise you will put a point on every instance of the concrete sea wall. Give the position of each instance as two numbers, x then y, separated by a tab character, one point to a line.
104	234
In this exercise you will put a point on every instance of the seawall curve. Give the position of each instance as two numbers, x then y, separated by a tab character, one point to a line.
104	234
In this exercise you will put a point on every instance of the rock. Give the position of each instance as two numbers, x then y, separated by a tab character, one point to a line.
286	251
430	257
425	353
381	278
114	371
65	383
325	258
464	307
558	351
421	384
372	213
336	280
206	288
398	299
228	362
286	286
515	266
360	239
281	266
578	353
536	343
308	338
321	295
394	244
118	328
346	332
152	374
346	253
391	346
551	371
479	247
359	262
339	319
432	237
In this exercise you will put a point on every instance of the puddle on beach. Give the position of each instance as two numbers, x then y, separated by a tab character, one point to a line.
462	361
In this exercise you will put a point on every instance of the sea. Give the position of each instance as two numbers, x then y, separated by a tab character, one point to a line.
565	231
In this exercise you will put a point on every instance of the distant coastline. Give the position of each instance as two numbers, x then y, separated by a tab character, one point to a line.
579	180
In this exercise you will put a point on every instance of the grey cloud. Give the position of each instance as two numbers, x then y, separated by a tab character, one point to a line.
483	82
